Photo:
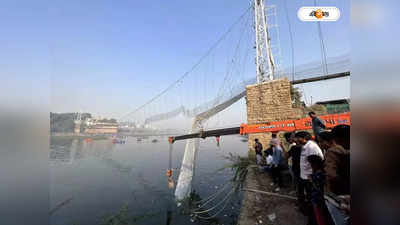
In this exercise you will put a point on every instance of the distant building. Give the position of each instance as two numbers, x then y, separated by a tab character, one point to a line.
95	126
90	121
336	106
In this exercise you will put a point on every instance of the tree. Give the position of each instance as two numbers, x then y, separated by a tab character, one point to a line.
296	95
64	122
108	120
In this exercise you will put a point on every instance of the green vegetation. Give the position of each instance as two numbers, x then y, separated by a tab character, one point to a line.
64	122
240	166
210	207
295	96
318	109
108	121
337	108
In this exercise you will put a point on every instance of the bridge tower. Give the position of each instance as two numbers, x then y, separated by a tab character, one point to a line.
270	98
264	59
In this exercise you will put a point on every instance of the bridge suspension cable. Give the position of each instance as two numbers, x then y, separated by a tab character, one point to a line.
305	72
191	69
291	37
322	45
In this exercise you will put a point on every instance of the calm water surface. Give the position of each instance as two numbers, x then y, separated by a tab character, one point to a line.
101	177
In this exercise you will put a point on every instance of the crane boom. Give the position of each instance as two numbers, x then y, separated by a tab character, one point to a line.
330	120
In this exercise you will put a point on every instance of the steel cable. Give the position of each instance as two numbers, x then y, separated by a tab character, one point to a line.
191	69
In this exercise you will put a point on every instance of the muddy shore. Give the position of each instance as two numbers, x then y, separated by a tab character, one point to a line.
258	208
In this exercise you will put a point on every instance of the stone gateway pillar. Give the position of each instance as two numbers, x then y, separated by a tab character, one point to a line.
267	102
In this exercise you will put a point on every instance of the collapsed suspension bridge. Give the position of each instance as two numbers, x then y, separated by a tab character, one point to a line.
182	97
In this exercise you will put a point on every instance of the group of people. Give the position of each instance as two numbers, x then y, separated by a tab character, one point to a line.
274	159
320	168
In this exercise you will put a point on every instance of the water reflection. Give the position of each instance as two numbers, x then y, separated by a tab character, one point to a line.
73	149
102	177
69	150
66	152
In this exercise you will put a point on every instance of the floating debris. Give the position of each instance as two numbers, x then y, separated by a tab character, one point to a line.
272	217
61	204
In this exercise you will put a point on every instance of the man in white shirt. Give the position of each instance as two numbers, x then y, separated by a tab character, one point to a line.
309	148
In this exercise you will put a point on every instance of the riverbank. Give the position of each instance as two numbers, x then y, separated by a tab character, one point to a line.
75	136
261	208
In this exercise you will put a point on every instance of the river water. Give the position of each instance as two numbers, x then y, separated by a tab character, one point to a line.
99	178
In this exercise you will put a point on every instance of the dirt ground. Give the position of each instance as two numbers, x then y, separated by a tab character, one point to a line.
261	209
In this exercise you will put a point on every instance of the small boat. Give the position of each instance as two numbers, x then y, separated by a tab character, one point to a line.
118	140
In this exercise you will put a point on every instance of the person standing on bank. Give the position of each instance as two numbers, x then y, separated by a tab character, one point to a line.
303	138
277	163
293	156
337	164
320	213
318	125
258	148
274	136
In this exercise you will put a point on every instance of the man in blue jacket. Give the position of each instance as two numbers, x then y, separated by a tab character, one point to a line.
277	163
318	125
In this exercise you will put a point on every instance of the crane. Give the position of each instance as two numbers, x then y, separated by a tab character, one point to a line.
330	120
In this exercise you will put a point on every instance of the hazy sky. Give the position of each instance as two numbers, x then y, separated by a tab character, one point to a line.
108	57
